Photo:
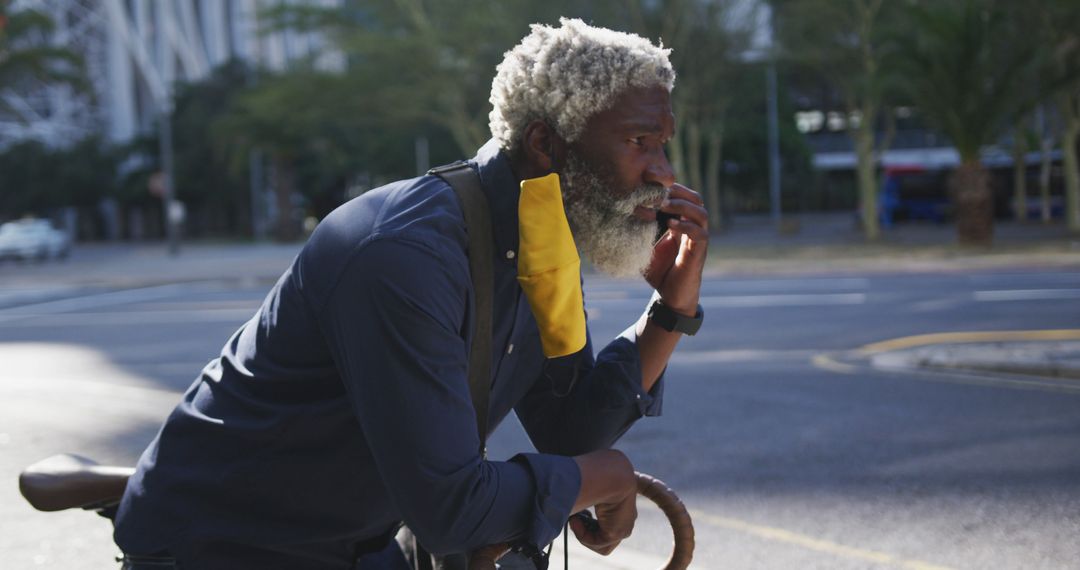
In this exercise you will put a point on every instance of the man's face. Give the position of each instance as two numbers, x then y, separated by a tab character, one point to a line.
615	176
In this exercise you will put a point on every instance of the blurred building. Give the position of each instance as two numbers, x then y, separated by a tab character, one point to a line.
134	52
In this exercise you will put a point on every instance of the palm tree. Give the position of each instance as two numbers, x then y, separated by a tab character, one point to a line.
969	65
25	53
1061	28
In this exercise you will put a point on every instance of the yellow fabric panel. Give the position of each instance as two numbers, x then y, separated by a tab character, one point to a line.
549	269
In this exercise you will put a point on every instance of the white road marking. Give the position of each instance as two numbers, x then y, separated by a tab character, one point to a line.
132	318
595	307
90	302
822	284
808	300
1027	294
1002	278
715	356
935	305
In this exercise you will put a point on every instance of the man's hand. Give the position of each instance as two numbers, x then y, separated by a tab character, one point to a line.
614	522
679	257
608	484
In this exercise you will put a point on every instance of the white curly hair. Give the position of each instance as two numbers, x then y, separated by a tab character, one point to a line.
567	74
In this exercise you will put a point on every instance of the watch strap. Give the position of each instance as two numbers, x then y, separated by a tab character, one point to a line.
671	321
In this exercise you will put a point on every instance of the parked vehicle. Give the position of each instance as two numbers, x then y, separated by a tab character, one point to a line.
33	239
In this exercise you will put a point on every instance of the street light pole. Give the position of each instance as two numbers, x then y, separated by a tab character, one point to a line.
168	195
774	144
165	59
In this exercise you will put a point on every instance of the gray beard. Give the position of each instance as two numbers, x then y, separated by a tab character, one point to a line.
605	229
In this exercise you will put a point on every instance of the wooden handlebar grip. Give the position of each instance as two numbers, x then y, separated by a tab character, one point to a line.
681	526
656	491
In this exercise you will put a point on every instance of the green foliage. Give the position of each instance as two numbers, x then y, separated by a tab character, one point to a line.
747	157
968	65
25	54
26	169
37	179
203	178
139	159
418	65
848	44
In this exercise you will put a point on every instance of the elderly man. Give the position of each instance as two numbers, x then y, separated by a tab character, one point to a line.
342	409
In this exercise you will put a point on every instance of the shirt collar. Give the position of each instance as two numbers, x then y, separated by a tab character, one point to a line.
503	190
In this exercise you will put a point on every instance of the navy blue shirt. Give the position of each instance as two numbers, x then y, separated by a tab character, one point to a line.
342	407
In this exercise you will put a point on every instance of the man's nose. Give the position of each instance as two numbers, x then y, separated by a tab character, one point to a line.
660	171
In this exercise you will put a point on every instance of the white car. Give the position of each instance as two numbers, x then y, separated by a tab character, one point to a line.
33	239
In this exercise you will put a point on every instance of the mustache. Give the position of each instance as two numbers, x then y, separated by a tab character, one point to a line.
646	194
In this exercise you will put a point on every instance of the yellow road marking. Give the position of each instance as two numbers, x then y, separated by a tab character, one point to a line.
826	362
827	547
961	337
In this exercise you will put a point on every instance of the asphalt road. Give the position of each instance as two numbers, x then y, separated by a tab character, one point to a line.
782	463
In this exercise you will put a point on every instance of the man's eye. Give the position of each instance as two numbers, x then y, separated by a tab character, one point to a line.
639	141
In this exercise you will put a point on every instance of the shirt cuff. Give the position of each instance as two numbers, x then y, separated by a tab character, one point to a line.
649	403
558	482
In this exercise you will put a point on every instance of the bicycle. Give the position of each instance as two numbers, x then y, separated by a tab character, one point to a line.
68	481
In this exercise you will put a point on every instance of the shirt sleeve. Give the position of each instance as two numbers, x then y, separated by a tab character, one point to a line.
580	404
396	323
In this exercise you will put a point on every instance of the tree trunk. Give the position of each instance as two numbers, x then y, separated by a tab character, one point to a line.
1045	149
286	228
675	149
693	156
867	181
969	187
1072	171
713	163
1019	175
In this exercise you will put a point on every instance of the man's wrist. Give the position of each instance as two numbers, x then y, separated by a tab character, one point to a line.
675	320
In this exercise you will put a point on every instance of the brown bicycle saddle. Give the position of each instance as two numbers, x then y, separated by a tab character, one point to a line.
67	481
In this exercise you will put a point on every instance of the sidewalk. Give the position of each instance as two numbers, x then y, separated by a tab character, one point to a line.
831	242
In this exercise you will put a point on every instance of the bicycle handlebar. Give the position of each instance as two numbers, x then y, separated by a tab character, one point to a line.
658	492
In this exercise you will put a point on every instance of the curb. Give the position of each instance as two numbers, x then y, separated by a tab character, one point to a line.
915	353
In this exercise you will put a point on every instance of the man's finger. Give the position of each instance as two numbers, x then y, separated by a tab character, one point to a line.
682	192
593	540
694	231
686	209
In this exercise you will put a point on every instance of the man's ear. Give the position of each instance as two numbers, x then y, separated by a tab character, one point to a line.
544	149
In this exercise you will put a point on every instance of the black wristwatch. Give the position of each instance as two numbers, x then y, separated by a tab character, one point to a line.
671	321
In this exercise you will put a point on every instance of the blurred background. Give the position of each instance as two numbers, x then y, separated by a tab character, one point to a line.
137	120
888	372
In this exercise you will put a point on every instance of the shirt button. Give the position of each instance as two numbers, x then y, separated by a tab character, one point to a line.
638	396
510	349
510	254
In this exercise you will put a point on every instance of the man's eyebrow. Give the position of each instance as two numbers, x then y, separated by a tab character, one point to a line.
642	126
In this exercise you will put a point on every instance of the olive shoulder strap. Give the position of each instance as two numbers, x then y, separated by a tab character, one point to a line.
466	184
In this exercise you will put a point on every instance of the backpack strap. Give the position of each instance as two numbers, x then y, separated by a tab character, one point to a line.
466	184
